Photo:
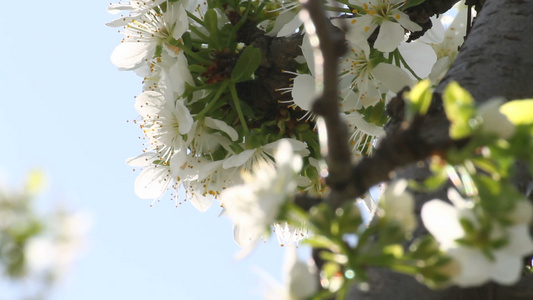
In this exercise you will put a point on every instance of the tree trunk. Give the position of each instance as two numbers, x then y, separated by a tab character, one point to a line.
496	60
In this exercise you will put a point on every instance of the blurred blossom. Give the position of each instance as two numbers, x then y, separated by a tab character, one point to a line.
503	265
398	204
255	205
37	249
494	121
300	279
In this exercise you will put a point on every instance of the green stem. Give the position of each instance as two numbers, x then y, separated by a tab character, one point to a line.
193	54
243	18
199	33
213	100
195	18
237	104
260	7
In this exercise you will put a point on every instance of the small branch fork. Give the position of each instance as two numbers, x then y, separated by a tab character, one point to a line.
404	144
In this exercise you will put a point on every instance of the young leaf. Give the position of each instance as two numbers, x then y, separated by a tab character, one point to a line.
247	64
420	99
519	112
459	107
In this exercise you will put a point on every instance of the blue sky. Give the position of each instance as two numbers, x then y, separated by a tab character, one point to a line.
63	108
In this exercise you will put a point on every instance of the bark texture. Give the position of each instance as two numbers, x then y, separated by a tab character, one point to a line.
496	60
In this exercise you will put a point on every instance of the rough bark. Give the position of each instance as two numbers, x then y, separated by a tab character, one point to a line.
495	61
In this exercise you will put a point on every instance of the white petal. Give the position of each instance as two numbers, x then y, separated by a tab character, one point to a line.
297	146
182	21
404	20
439	69
290	27
201	203
130	55
389	37
520	242
152	182
178	162
149	103
302	282
475	268
243	236
392	77
184	117
304	91
441	220
435	34
359	122
507	268
307	51
179	74
363	25
420	57
122	21
284	155
239	159
143	160
246	239
222	126
281	20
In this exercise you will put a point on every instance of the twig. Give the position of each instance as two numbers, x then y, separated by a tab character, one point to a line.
328	47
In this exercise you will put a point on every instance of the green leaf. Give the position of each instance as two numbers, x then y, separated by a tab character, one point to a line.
459	107
396	250
420	98
247	64
519	112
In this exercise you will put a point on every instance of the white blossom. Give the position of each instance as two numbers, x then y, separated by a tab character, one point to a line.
449	47
387	15
145	33
254	205
164	122
363	134
442	220
398	205
369	79
299	280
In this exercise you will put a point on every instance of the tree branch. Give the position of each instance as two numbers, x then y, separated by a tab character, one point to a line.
332	46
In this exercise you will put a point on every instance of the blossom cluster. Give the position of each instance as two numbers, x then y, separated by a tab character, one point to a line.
496	254
201	129
224	120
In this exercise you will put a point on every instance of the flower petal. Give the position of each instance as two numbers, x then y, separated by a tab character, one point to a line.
419	56
304	91
153	182
222	126
506	268
441	220
392	77
130	55
405	21
238	159
390	35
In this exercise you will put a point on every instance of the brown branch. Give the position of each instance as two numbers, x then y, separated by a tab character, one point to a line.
332	46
